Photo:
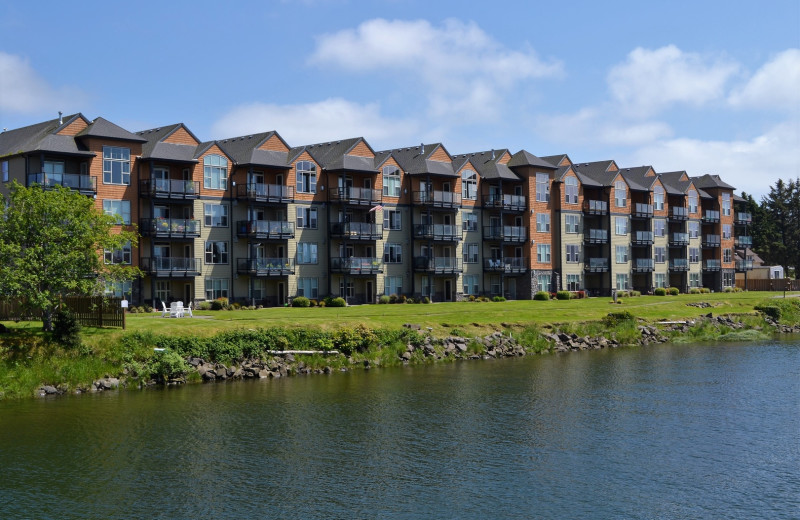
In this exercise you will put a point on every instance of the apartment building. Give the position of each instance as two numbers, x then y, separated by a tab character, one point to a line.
258	221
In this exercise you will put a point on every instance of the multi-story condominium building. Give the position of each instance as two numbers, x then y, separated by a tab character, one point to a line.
256	220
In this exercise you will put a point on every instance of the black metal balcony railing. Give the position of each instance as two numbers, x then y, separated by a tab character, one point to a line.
711	241
169	227
595	207
742	218
265	266
744	265
711	216
84	184
643	265
437	265
169	189
678	213
596	236
712	265
357	230
265	229
505	233
596	265
642	210
357	196
439	232
505	265
642	238
505	202
356	265
170	266
743	241
679	239
679	264
260	192
438	199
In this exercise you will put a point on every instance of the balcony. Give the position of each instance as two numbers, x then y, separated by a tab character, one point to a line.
642	238
265	267
356	265
596	265
742	218
744	265
596	236
513	234
642	265
711	217
743	241
265	229
711	241
515	203
679	264
712	265
173	189
83	184
438	199
268	193
437	265
679	239
642	210
512	265
595	207
356	196
678	213
178	267
357	230
169	227
438	232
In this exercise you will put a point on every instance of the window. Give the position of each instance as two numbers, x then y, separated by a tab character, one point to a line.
470	253
726	204
543	281
660	254
571	190
470	222
621	225
726	231
346	289
728	279
215	172
470	282
216	215
4	169
694	229
659	227
694	255
469	185
543	222
391	181
573	253
306	217
622	282
620	194
216	288
257	289
118	208
573	282
216	252
694	279
692	201
116	165
393	285
118	256
660	279
306	252
307	287
571	223
306	177
658	198
543	253
621	254
393	253
118	289
392	219
727	255
542	187
495	285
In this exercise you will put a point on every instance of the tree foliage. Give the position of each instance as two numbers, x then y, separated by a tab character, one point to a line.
776	225
51	246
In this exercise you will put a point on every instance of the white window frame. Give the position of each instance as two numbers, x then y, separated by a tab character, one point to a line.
470	222
215	172
658	198
694	229
306	177
393	285
660	279
542	187
118	208
726	204
620	188
215	215
391	181
471	253
306	217
624	279
392	220
620	225
118	289
542	222
543	253
621	254
121	256
116	165
571	190
573	282
393	253
308	287
307	253
573	253
693	201
217	252
470	284
572	223
660	254
217	288
659	227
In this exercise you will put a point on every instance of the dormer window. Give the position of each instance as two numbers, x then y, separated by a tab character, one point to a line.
469	185
571	190
391	181
116	165
620	194
658	198
306	177
215	172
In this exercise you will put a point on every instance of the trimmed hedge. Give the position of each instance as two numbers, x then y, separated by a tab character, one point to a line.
541	296
301	301
563	295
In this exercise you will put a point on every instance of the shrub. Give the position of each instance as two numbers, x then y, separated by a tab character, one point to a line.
773	311
167	365
235	306
66	330
393	298
705	290
409	300
499	298
673	291
694	290
204	306
660	291
401	299
612	319
313	303
636	293
456	332
728	289
542	296
472	297
219	304
384	300
563	295
301	301
335	302
426	300
484	298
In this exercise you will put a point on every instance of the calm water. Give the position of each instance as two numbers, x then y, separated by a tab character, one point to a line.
659	432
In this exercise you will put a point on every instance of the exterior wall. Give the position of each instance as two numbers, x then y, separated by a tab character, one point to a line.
74	127
181	136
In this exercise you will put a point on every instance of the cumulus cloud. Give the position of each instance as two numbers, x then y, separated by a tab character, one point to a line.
24	91
775	85
595	126
307	123
650	80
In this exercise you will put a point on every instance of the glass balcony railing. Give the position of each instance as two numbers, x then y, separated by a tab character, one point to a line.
169	227
506	202
171	266
596	236
356	265
505	265
438	199
642	265
265	266
642	210
505	233
84	184
596	265
260	192
595	207
712	265
169	188
443	232
265	229
743	241
743	218
437	264
679	264
641	238
357	230
355	195
678	213
711	241
711	216
679	239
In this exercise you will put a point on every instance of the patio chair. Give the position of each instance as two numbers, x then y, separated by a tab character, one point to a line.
188	309
175	310
165	311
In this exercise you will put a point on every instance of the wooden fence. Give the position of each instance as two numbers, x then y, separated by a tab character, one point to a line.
780	284
90	311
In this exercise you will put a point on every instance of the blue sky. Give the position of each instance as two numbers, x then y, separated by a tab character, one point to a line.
702	86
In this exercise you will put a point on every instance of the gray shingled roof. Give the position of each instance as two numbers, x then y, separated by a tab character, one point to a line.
106	129
42	137
525	158
485	163
555	160
244	151
710	182
636	178
673	184
597	172
416	162
154	148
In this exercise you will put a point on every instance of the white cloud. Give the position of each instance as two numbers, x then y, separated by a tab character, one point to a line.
308	123
775	85
650	80
591	126
22	90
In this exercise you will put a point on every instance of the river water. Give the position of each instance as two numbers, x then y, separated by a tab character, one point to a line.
678	431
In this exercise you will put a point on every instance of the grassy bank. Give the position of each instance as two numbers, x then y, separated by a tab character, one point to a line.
28	358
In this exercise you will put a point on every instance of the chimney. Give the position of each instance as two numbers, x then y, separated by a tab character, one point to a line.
493	154
60	119
422	148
